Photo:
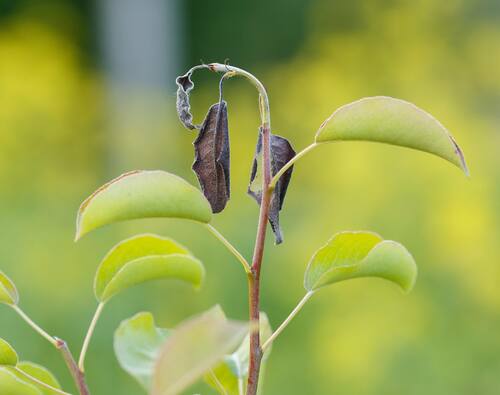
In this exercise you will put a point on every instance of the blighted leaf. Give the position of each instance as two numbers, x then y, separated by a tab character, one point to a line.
143	258
392	121
194	347
360	254
8	291
10	384
142	194
39	373
226	375
184	86
211	163
8	356
137	343
281	153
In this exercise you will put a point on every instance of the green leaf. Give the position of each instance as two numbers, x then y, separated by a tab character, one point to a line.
194	348
392	121
137	344
40	373
142	194
143	258
360	254
8	356
8	291
225	376
10	384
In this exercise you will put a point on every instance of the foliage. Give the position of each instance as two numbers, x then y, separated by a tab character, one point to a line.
229	354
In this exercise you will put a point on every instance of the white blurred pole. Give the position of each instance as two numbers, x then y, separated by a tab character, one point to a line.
140	41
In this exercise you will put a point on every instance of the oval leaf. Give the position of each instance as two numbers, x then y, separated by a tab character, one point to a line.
10	384
392	121
40	373
143	258
137	343
225	377
8	356
142	194
194	348
360	254
8	291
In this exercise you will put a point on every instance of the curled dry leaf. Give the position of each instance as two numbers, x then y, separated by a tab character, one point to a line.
211	163
281	153
184	86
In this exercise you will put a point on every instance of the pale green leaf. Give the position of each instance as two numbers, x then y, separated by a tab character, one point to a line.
10	384
224	377
8	291
8	356
40	373
142	194
143	258
392	121
137	343
195	347
360	254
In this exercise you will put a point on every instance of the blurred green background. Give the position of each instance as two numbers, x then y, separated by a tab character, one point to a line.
87	91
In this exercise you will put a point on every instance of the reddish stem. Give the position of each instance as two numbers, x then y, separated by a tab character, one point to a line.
254	277
76	373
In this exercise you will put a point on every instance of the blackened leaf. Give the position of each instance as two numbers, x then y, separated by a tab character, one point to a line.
184	86
211	163
281	153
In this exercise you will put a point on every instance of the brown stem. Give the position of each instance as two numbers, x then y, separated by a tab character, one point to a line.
76	373
254	278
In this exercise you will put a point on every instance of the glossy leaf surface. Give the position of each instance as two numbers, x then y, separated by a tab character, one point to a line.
8	291
351	255
10	384
142	194
391	121
8	356
143	258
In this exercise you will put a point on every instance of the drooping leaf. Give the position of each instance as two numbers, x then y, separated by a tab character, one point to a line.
184	86
142	194
40	373
8	356
360	254
392	121
10	384
194	347
143	258
137	343
8	291
211	163
225	376
281	153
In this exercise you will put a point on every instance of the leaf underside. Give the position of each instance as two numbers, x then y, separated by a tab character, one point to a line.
391	121
40	373
225	376
10	384
281	153
137	343
142	194
144	258
351	255
211	163
193	348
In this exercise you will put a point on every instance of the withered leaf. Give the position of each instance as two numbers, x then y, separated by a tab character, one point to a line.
211	163
281	153
184	86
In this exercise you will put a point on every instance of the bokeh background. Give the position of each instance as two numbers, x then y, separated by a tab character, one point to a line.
87	91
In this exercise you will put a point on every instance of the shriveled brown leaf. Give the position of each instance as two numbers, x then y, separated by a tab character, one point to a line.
184	86
211	163
281	153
